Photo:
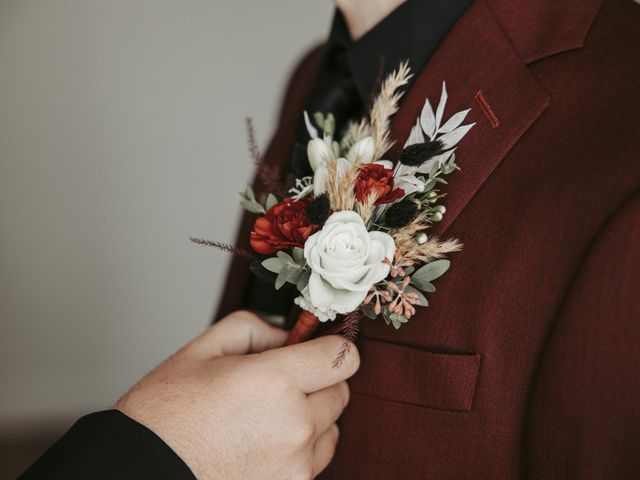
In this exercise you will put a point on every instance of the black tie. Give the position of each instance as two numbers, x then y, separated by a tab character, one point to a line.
334	91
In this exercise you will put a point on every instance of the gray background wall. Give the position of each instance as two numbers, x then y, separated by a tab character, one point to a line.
121	134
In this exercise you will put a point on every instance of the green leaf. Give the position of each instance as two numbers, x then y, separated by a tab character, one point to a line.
287	274
273	264
252	206
386	315
335	146
424	286
282	279
298	255
409	270
248	193
429	185
397	320
422	300
329	126
368	312
430	272
271	201
303	281
285	257
318	117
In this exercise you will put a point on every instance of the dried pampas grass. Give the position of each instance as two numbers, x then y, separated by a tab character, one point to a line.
432	249
384	106
339	187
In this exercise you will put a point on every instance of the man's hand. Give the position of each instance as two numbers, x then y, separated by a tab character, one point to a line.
233	405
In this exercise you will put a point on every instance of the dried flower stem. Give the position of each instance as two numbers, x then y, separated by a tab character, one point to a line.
350	329
254	150
225	247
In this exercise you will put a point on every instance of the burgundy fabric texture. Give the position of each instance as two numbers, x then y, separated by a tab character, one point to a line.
526	362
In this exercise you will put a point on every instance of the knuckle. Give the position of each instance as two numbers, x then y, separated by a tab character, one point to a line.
244	316
280	383
302	434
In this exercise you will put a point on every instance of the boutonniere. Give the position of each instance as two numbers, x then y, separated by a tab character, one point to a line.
353	238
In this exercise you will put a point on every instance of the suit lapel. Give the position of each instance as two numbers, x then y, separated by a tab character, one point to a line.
483	72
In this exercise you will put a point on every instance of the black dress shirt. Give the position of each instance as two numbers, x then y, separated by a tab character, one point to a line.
110	445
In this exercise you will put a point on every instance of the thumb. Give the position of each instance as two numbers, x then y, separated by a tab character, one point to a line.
239	333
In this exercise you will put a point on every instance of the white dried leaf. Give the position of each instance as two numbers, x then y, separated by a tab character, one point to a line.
441	106
416	135
313	133
452	138
454	122
428	119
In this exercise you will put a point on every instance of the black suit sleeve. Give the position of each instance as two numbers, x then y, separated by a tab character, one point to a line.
109	445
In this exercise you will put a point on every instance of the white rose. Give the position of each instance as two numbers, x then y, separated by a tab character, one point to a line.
345	260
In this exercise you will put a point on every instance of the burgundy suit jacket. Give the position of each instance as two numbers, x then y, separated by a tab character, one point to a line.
526	364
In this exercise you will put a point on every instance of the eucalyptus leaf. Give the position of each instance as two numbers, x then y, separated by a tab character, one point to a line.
252	206
285	257
303	281
409	270
273	264
282	279
368	312
397	320
425	286
386	314
272	200
431	271
422	300
248	192
287	274
298	255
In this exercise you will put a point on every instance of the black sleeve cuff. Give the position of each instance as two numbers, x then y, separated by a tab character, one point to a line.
109	445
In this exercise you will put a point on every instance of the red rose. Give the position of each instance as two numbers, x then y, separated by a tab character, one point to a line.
374	178
284	226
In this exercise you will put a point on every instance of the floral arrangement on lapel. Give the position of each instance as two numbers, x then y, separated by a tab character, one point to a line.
352	237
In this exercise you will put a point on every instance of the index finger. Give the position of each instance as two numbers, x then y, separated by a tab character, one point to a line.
312	364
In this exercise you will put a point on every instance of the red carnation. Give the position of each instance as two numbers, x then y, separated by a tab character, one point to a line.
284	226
375	178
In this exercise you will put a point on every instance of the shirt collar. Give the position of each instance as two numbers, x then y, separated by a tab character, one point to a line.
411	32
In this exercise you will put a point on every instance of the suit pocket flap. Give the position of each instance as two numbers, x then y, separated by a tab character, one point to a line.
409	375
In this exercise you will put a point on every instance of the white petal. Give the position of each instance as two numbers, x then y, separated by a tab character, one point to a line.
452	138
344	216
428	119
323	314
386	240
313	133
385	163
323	295
320	180
362	151
454	122
318	152
441	105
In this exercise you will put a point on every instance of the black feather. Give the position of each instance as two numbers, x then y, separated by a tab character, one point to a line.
418	153
318	210
401	214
